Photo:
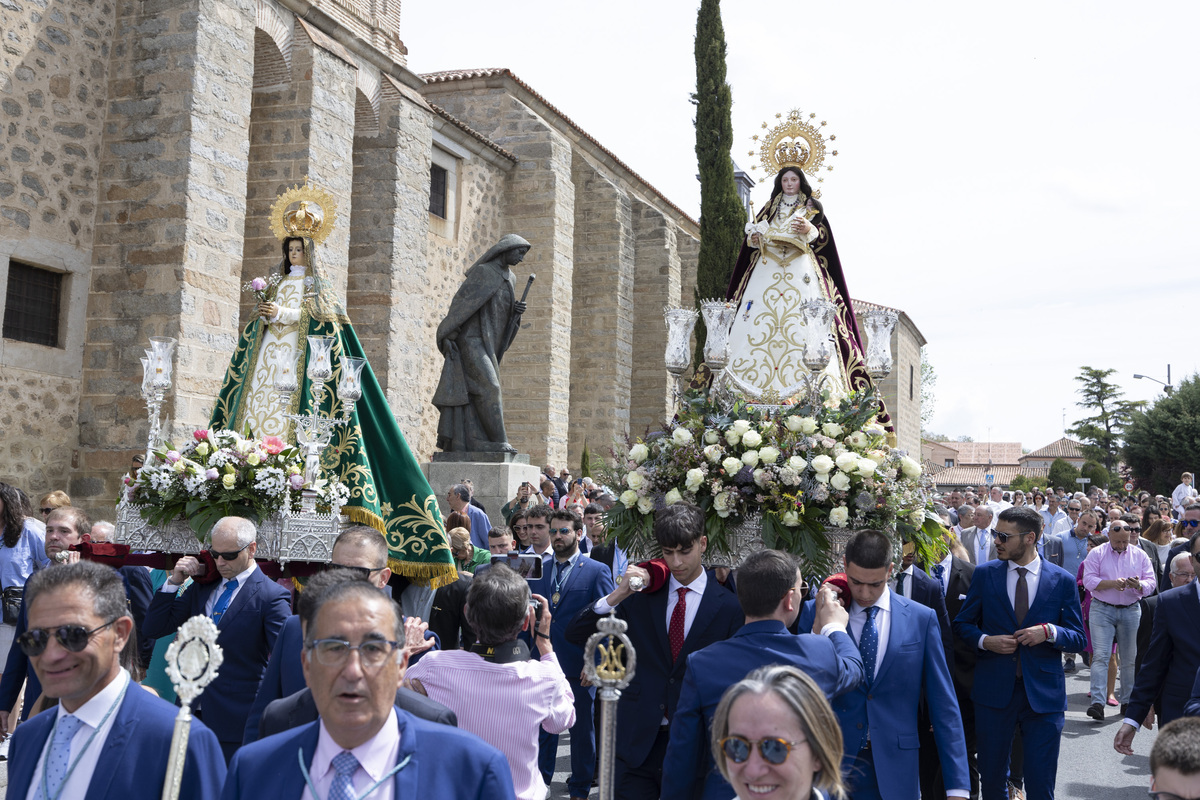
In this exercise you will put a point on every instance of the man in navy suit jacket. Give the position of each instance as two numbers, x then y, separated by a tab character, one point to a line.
903	662
354	658
127	758
572	583
770	594
1173	659
248	614
690	608
1021	612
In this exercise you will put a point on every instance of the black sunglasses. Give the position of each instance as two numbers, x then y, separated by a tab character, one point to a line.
1004	537
34	641
230	556
365	572
774	751
1189	523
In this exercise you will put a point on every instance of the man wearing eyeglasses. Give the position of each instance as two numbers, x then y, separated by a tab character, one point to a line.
1118	576
1175	762
1188	524
1051	514
109	739
978	539
248	609
354	658
1172	659
1074	509
1022	613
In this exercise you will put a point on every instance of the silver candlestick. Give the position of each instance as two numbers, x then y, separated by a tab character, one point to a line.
156	380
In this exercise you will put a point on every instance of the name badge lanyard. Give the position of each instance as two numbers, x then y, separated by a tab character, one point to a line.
312	789
74	763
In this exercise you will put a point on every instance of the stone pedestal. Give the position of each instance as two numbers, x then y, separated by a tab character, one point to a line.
495	480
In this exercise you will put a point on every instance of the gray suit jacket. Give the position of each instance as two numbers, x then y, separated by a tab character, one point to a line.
968	540
299	709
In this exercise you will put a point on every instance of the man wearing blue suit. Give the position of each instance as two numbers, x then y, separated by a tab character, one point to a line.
688	613
770	593
354	658
108	738
903	661
572	584
1022	612
248	609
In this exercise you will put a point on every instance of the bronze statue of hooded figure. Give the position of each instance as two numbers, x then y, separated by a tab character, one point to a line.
480	326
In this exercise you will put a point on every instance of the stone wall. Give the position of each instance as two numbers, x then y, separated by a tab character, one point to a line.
657	284
38	414
902	388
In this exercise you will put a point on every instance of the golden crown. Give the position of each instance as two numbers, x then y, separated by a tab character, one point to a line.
794	142
313	217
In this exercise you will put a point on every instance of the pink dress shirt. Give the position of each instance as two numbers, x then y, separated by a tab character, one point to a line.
375	757
1106	564
503	704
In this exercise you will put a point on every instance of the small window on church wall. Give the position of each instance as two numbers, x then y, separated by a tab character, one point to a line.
437	191
32	305
911	380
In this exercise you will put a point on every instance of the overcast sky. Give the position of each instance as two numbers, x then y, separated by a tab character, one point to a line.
1020	178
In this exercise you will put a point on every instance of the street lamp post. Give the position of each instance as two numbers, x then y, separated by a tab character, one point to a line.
1167	387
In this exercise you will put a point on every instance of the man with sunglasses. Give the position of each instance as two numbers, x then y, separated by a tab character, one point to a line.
1118	576
1172	658
1022	613
1188	524
248	609
109	739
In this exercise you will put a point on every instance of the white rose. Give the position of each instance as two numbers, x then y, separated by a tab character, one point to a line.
711	436
639	453
831	429
713	453
629	498
792	423
741	426
917	518
878	456
760	477
866	467
672	497
797	463
790	518
821	477
808	425
911	468
681	436
752	438
721	504
731	465
635	480
732	437
822	464
694	478
769	455
840	481
750	458
847	461
857	439
839	516
645	505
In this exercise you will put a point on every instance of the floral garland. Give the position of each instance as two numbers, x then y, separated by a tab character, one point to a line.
221	473
804	470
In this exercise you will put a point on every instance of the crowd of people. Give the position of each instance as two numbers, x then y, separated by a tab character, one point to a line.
930	677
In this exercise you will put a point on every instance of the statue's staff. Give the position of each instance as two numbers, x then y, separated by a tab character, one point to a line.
192	661
514	323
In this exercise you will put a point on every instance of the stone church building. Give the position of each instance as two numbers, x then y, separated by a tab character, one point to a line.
143	143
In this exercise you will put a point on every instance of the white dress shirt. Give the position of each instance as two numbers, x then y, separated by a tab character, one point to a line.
906	587
946	563
695	593
1031	583
90	714
883	624
212	598
375	757
983	546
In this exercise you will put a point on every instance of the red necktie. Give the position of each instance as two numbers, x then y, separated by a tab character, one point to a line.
675	634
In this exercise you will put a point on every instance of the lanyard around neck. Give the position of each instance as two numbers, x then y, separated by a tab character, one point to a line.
84	749
312	789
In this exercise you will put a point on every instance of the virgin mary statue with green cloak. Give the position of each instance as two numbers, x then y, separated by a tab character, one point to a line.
368	454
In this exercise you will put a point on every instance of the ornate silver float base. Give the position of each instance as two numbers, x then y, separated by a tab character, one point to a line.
281	537
741	540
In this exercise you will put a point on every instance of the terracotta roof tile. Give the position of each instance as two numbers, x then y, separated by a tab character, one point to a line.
468	129
974	475
980	452
1063	448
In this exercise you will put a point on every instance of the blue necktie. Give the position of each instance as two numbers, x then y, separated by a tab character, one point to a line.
223	601
344	767
57	760
868	645
939	572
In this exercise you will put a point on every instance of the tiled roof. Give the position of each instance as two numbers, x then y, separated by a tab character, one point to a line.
974	475
468	74
980	452
1063	448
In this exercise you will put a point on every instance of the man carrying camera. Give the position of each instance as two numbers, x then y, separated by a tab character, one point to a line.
522	501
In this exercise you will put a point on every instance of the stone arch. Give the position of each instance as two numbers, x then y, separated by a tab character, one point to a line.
366	101
275	24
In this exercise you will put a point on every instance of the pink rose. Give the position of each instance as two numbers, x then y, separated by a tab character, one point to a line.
258	284
173	456
201	435
126	480
273	445
297	482
212	474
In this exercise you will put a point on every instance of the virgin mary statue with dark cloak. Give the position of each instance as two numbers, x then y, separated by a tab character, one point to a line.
790	258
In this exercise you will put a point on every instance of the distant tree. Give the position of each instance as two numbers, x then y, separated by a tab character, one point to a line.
928	381
585	462
1164	441
1063	474
1026	484
722	216
963	439
1097	473
1101	433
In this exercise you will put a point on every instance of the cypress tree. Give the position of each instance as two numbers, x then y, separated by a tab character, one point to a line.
722	216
